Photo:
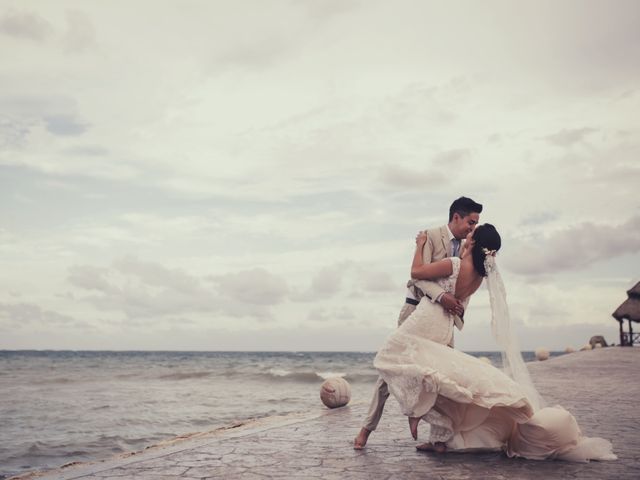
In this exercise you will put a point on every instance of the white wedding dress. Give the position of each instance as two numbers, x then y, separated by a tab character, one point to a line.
469	404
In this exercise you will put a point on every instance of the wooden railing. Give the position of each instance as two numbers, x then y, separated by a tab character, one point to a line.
629	340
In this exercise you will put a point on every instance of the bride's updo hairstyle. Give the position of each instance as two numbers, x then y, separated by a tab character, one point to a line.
485	237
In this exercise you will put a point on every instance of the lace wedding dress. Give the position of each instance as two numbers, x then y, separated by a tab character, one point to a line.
469	404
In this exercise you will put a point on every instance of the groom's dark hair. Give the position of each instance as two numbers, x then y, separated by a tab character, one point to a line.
463	206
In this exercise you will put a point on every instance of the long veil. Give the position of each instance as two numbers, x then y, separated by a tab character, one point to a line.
512	362
528	442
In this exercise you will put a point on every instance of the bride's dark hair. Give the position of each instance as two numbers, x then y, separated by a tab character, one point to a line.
485	237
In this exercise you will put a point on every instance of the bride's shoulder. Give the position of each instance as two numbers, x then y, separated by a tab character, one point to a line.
466	269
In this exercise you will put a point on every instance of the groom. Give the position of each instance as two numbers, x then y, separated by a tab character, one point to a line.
442	242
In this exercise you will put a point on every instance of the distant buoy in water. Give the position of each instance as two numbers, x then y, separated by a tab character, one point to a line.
335	392
569	350
542	354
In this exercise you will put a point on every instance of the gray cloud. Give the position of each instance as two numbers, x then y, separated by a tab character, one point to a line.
451	159
607	165
574	248
156	275
404	178
318	314
377	282
80	34
256	286
138	301
38	106
64	125
22	113
90	278
569	137
328	9
25	25
13	134
327	281
19	314
255	55
147	291
422	104
347	276
539	218
270	43
323	314
86	151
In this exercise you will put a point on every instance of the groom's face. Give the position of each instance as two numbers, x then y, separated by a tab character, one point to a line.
462	226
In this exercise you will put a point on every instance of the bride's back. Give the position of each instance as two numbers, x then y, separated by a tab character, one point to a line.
468	280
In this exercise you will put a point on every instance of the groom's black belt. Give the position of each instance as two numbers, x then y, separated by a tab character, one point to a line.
411	301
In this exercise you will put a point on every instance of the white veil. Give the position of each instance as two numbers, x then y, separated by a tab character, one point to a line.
512	362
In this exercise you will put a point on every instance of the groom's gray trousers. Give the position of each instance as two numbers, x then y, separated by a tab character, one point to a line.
381	391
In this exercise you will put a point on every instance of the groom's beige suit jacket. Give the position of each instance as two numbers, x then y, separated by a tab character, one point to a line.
437	247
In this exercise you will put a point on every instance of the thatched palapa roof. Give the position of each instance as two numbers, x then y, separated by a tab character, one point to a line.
630	308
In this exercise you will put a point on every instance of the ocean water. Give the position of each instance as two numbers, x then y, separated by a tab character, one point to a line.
62	406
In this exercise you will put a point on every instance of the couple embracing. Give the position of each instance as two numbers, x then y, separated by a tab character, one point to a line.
468	404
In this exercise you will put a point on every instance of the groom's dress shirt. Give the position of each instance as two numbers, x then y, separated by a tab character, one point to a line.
455	247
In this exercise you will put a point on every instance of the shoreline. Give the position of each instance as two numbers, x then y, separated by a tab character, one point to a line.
178	444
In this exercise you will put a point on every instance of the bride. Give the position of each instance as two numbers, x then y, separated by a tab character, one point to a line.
469	404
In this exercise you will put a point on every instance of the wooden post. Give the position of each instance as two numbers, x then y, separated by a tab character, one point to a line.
630	334
621	333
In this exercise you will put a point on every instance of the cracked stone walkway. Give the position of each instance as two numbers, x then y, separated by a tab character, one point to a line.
600	387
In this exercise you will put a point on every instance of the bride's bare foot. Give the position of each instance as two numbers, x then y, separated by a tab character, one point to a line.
361	440
437	447
413	426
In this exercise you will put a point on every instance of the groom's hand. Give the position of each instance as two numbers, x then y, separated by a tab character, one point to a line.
451	304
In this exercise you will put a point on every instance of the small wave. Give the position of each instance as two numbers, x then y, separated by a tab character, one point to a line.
184	375
118	443
280	401
279	372
302	377
361	377
325	375
55	381
315	377
37	448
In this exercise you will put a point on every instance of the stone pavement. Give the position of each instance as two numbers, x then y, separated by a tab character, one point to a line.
599	387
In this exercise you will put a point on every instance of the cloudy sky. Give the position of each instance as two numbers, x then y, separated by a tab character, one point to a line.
250	175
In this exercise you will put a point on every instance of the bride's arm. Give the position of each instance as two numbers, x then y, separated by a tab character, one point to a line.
428	271
468	245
